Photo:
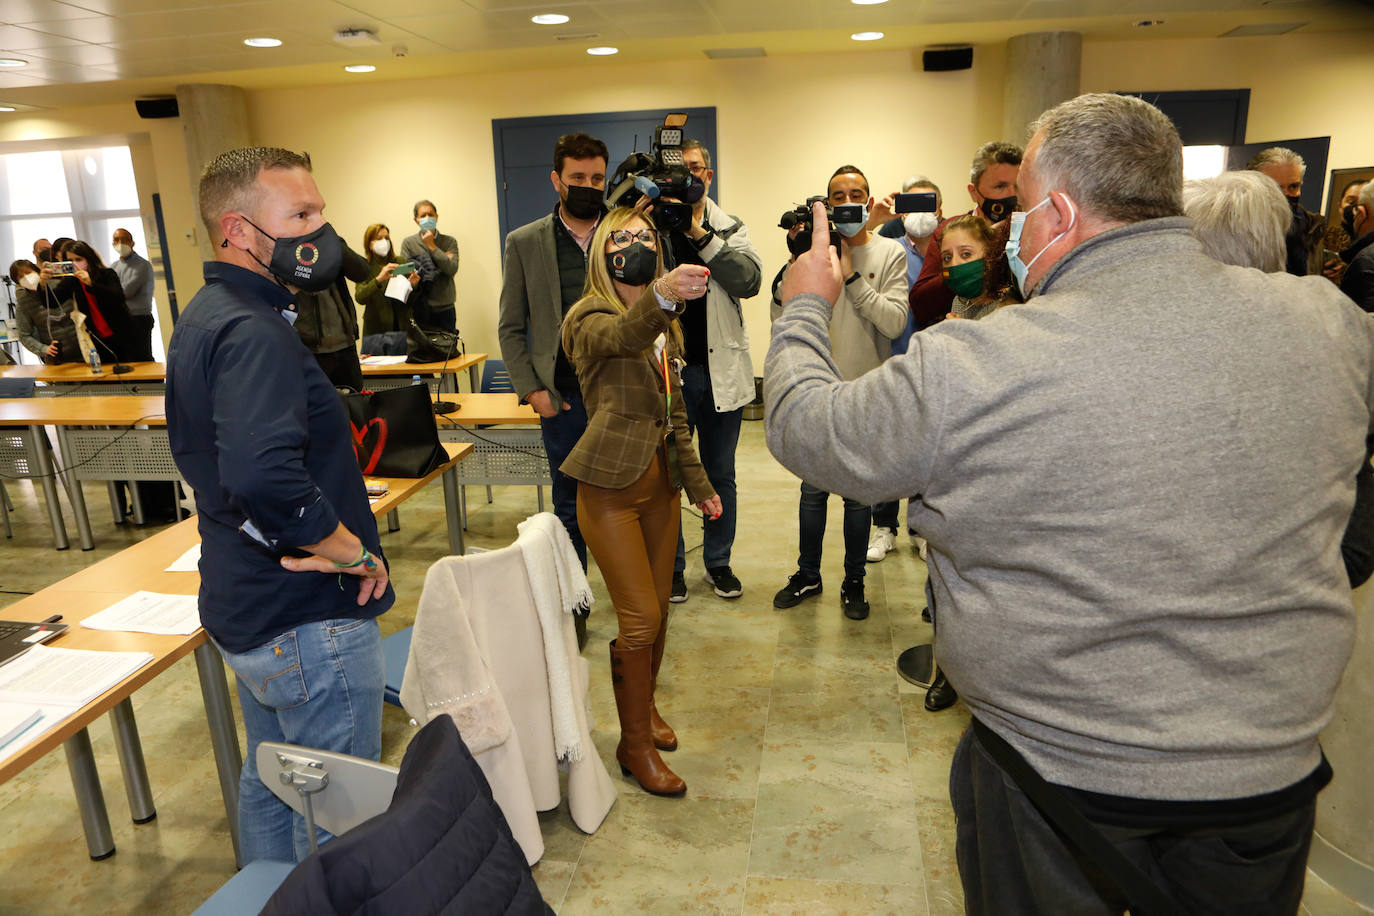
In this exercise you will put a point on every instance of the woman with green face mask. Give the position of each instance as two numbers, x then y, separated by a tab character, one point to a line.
975	266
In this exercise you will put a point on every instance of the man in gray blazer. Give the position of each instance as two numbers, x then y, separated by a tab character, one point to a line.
545	268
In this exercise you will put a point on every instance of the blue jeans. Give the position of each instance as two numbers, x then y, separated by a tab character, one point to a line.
319	685
811	517
716	435
560	434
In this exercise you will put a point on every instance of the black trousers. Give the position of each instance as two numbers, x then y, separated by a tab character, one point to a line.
1013	863
140	339
342	368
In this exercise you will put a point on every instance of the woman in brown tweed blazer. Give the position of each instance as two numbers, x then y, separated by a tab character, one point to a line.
632	461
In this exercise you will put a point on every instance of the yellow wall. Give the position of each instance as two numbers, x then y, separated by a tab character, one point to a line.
783	124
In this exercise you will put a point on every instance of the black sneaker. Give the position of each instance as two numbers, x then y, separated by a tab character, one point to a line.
798	588
724	582
852	599
679	594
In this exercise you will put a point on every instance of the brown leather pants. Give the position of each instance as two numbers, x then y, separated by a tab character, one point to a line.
632	533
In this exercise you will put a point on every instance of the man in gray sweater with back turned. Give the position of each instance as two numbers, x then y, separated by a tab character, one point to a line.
1134	488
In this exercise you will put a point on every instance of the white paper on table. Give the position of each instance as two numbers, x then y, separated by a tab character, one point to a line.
149	612
382	360
71	677
187	562
50	716
398	288
16	718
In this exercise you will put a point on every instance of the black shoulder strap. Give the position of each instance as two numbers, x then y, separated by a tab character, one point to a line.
1146	898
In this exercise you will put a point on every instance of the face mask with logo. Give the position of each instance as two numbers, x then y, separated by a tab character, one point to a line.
381	247
920	225
966	279
583	203
849	230
310	262
124	250
429	223
634	265
997	209
1019	268
29	282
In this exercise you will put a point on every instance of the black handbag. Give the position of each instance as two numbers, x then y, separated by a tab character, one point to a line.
393	431
431	345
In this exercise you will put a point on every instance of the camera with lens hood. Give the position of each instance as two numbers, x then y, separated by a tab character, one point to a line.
801	215
658	174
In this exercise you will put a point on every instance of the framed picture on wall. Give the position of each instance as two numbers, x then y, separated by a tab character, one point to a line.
1340	180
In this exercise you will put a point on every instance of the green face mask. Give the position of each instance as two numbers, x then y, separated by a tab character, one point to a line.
965	279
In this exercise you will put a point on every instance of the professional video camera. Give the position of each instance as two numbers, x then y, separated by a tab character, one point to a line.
657	174
801	216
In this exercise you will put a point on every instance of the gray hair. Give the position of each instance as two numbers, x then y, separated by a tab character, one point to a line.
994	153
1117	156
1367	197
921	181
229	182
1240	218
1276	155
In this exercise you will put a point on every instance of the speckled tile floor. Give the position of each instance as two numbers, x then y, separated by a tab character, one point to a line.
816	780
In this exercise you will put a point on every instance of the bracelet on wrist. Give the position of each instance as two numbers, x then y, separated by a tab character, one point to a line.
665	289
363	558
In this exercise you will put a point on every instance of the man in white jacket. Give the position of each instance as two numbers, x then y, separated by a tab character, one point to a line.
718	379
870	312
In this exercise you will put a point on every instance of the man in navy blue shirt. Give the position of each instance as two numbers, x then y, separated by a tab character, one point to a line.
261	435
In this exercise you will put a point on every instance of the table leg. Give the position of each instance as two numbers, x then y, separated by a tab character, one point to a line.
474	379
393	520
130	750
224	735
136	504
78	498
112	487
47	480
463	507
451	501
89	799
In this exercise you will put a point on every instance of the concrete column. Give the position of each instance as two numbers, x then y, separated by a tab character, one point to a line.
213	119
1343	849
1043	69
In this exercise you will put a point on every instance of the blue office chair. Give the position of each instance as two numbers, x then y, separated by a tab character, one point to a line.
395	651
495	377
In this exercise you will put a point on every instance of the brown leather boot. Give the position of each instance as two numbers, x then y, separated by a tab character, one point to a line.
636	754
664	737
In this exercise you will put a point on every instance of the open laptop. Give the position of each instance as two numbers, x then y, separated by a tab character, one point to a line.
18	636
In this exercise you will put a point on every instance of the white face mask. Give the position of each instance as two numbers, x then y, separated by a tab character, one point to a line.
123	250
381	247
29	282
920	225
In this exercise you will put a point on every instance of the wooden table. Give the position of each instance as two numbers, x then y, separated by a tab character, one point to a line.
144	566
447	371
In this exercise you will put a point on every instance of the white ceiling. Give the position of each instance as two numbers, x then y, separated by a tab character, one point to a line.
150	45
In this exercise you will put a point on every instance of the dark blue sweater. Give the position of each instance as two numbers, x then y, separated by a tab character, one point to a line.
262	437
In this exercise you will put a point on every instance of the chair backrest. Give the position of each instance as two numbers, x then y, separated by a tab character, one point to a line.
344	790
495	378
16	387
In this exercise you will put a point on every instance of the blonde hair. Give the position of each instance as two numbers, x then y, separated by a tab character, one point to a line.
599	285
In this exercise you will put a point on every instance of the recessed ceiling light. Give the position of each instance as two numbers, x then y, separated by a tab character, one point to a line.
867	2
8	108
866	36
602	51
360	68
1147	23
549	19
12	62
262	42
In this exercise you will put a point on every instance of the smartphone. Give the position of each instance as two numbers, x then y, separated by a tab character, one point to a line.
62	268
916	202
847	213
1328	254
404	269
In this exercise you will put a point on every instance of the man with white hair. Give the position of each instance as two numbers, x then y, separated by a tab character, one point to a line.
1358	282
1306	228
1240	218
1133	488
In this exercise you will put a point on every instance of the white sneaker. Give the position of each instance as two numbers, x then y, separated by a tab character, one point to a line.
882	541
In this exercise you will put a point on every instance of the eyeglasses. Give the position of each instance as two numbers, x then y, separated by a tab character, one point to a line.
623	237
696	169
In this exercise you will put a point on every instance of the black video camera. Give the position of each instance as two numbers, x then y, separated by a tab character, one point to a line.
657	174
801	216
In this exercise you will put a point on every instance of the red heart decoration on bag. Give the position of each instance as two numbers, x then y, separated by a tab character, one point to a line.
369	456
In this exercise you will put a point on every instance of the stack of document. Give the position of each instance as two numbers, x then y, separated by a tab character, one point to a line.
45	685
149	612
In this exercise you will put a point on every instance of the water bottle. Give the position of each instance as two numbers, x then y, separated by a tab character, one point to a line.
94	360
415	380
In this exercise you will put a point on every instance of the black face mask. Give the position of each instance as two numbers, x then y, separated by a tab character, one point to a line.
310	262
584	203
634	266
1295	204
997	209
1348	220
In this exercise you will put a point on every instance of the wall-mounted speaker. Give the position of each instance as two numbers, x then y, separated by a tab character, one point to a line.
940	59
165	107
